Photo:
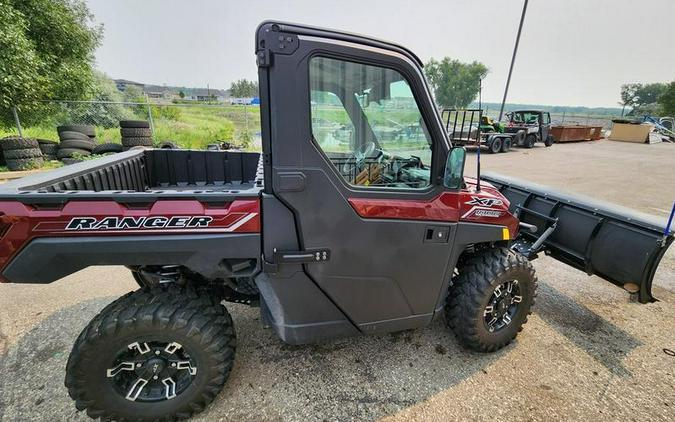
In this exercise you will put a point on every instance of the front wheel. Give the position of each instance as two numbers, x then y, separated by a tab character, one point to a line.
159	353
491	298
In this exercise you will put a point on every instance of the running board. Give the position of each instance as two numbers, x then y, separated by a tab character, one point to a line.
618	244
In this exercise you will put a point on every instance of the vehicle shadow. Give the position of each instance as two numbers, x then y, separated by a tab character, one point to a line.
599	338
361	378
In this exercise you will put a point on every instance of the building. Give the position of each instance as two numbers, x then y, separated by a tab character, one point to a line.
164	92
206	94
122	84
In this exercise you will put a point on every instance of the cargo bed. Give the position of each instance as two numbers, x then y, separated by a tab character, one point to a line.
143	175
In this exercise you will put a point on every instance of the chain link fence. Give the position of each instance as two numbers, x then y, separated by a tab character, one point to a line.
190	124
605	121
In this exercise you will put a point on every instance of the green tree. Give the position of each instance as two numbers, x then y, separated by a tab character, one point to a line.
455	84
46	52
628	96
644	98
244	88
667	100
181	94
104	110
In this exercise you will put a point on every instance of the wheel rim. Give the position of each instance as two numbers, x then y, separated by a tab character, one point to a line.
151	371
503	305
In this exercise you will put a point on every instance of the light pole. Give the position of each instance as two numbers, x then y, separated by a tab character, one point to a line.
513	59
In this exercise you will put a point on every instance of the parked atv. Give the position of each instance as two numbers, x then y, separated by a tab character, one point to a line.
535	125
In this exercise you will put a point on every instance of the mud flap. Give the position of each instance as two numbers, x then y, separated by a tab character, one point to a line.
618	244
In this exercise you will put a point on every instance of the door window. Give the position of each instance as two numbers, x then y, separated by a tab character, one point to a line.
366	121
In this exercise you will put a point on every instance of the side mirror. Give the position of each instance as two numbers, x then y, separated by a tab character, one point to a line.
454	168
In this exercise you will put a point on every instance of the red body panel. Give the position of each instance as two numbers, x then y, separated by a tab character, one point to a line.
487	206
20	223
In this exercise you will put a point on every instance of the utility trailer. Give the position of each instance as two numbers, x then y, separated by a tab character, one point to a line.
466	128
330	236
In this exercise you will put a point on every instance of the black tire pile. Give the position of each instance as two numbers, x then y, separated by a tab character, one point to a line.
49	149
80	141
76	141
135	133
21	153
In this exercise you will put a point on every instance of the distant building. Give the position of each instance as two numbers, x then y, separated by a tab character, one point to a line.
206	94
122	84
173	92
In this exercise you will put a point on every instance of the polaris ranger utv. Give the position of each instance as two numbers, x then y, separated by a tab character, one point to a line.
355	219
534	125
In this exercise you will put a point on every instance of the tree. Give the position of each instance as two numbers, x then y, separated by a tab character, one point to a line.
244	88
667	100
628	96
46	52
455	84
181	94
643	98
105	110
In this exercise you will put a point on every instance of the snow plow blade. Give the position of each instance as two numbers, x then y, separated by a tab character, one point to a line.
618	244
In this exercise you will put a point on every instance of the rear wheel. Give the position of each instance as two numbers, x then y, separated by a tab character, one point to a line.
490	299
530	140
160	353
496	145
506	145
549	140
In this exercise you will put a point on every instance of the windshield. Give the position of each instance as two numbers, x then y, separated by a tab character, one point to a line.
525	117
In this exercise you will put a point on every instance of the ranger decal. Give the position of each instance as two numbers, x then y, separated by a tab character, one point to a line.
114	223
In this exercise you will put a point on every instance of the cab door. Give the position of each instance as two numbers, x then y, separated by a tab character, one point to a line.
354	149
545	125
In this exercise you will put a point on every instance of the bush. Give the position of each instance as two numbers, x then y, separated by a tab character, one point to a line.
165	112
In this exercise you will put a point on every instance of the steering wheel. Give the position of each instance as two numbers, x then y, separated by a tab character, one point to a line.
359	156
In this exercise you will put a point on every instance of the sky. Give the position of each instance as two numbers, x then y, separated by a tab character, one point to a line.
572	52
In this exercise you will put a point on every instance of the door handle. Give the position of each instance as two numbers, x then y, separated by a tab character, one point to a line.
307	256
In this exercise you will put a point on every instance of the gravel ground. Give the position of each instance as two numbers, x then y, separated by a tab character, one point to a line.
588	351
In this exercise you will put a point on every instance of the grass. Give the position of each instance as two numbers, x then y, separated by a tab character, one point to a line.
190	126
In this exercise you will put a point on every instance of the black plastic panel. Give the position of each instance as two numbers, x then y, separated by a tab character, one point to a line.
179	168
45	260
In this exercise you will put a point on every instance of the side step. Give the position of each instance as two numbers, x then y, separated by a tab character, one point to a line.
618	244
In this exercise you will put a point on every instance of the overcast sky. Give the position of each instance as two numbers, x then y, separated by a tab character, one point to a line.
572	52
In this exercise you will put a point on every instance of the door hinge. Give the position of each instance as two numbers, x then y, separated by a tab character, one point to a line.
275	42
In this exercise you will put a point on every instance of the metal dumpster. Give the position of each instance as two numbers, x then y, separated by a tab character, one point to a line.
572	133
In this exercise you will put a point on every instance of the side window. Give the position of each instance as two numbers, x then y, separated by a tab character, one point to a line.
366	121
547	118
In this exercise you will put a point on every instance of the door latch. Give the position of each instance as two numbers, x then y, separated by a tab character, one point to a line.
436	234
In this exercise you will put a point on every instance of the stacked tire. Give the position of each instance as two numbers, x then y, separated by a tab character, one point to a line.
49	149
135	133
21	153
76	141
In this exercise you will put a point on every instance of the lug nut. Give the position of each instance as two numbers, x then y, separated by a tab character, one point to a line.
138	365
156	352
173	364
155	377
